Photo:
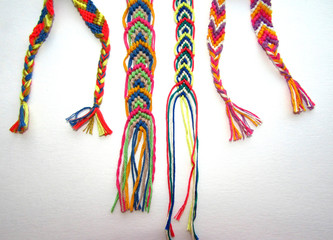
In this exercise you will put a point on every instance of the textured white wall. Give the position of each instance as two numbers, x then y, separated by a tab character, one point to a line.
277	185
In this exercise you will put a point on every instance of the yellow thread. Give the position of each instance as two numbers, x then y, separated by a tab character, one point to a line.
90	126
189	7
101	130
48	22
79	4
26	113
295	97
97	88
190	145
21	97
184	104
99	101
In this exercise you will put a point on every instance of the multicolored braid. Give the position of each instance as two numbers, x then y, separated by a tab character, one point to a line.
216	33
182	90
98	25
137	154
261	15
36	40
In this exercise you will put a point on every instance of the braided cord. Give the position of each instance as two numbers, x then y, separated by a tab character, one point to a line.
261	15
36	40
182	91
98	25
137	154
237	116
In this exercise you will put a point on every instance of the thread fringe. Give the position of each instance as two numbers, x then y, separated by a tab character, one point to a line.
94	112
238	116
261	15
21	125
298	96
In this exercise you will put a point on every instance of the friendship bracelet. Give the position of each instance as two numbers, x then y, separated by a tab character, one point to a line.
99	27
261	15
237	116
182	90
136	163
137	154
36	39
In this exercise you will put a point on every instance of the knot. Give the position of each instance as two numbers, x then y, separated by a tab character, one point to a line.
185	82
288	77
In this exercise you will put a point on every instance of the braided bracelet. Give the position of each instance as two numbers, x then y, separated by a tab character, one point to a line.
99	27
261	15
216	32
139	131
182	90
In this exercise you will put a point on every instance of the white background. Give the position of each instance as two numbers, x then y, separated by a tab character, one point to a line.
59	184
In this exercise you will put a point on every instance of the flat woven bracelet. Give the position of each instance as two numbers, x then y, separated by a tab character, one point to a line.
99	27
137	154
261	15
237	116
182	90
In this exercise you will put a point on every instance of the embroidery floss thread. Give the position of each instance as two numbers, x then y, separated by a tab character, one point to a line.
36	40
261	15
215	38
99	27
183	91
137	153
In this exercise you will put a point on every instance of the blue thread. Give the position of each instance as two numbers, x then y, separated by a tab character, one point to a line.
133	98
181	92
91	7
28	76
21	117
140	36
74	121
184	73
184	11
139	83
95	29
137	51
43	14
186	42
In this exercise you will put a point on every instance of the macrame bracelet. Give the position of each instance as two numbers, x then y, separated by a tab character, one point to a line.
261	15
99	27
237	116
182	90
137	154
